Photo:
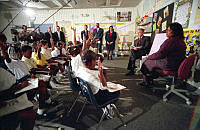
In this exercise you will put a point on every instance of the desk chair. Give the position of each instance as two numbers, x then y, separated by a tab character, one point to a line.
192	80
74	86
89	97
184	72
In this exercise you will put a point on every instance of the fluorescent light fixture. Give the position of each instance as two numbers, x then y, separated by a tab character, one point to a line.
29	12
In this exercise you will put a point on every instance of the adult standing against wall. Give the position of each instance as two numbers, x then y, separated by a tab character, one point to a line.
85	33
38	35
59	35
110	41
141	47
48	36
98	33
25	35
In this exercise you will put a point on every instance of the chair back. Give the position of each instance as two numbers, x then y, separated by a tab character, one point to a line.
73	81
87	92
184	71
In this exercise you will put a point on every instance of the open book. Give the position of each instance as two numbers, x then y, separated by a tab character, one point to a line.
33	83
61	61
112	87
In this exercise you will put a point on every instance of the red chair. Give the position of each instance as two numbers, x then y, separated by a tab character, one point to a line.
184	73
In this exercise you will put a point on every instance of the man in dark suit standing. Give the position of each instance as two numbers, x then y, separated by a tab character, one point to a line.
59	35
85	33
140	48
38	35
98	33
49	35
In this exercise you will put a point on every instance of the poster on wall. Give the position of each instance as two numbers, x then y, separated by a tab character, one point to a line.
44	27
182	12
197	16
160	3
149	5
124	16
66	28
161	19
192	40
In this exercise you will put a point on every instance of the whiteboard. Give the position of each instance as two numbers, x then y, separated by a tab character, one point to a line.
158	41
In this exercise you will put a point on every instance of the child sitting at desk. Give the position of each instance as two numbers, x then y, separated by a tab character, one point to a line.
45	50
59	50
21	70
96	79
14	109
37	56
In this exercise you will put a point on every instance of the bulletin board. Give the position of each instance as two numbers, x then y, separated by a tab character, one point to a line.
66	28
197	16
43	27
182	12
124	16
120	28
161	19
91	26
192	40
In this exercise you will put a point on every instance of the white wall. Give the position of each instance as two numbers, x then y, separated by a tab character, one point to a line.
95	15
74	15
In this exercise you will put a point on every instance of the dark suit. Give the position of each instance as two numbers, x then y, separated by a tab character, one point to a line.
145	45
99	35
110	38
48	36
86	33
39	36
62	37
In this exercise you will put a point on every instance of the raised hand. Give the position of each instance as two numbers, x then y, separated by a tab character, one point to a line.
100	68
73	29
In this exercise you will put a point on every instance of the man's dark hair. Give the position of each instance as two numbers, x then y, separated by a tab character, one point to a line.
25	48
141	29
3	37
177	30
57	26
23	26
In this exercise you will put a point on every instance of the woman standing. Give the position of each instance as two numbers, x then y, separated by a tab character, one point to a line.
110	41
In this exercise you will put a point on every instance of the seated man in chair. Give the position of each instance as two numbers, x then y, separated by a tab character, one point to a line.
140	48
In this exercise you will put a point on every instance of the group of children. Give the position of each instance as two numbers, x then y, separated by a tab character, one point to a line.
22	62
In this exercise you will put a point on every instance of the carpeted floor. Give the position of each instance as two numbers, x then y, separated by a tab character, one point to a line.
142	108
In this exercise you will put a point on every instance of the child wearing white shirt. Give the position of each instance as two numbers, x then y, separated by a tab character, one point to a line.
59	50
96	79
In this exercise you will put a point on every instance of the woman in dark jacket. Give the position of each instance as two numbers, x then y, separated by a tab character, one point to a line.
168	57
110	41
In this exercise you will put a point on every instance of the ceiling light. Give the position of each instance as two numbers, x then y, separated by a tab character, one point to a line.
29	12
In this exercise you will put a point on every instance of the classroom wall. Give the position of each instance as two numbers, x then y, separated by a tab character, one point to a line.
101	15
159	4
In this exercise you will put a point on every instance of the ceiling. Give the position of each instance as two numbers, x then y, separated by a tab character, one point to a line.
79	4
